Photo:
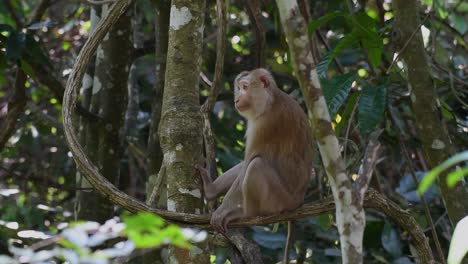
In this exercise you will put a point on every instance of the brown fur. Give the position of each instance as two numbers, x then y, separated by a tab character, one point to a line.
278	156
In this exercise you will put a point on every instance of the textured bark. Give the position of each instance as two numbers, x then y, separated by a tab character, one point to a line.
14	108
84	128
109	102
433	133
155	155
350	216
180	127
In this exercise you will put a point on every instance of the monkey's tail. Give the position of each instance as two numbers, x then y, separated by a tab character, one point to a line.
288	243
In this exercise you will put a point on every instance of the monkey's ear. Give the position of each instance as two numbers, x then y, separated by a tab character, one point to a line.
265	81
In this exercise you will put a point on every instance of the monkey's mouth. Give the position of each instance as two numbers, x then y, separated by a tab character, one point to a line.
241	108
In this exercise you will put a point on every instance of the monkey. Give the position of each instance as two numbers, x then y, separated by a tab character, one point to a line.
277	165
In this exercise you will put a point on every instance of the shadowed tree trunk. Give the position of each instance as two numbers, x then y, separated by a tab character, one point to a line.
180	127
154	147
433	133
108	101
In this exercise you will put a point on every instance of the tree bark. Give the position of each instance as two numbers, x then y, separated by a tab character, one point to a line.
155	155
350	215
109	101
433	133
180	127
14	107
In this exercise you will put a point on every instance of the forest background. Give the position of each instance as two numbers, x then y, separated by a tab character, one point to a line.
395	67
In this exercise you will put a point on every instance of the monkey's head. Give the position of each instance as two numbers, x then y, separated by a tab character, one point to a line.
253	92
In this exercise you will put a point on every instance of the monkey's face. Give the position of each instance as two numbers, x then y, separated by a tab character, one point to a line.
250	96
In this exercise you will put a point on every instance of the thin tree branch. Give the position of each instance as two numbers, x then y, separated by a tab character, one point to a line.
14	16
13	108
208	137
406	44
368	163
220	51
39	11
255	17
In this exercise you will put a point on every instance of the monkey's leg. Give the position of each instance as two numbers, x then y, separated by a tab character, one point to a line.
231	207
222	184
263	192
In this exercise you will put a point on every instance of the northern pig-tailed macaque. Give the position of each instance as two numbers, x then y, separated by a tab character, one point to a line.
278	156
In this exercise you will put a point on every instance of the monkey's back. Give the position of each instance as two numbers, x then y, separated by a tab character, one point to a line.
284	139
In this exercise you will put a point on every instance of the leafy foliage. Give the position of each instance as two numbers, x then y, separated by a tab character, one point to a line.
336	90
38	176
452	178
372	105
90	242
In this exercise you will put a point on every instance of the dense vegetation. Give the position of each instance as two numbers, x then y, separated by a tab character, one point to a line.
372	77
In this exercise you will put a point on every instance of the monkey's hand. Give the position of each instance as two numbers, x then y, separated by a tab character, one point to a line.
204	173
219	221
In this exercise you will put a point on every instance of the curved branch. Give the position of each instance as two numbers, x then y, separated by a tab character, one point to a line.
69	102
372	199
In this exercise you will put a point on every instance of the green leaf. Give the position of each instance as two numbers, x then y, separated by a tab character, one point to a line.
367	33
458	245
459	23
344	43
322	66
374	46
146	231
440	9
6	28
365	22
15	45
325	221
346	113
314	25
391	241
456	176
336	90
371	107
434	173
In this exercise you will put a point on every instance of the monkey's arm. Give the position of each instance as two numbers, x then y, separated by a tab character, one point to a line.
222	184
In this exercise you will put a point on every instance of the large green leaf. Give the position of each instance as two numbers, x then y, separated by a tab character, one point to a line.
322	66
371	107
322	20
374	46
346	42
366	28
336	90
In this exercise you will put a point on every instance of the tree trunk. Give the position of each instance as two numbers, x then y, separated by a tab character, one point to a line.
433	133
350	216
109	100
155	155
180	127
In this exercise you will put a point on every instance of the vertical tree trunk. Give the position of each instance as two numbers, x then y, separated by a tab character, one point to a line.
109	100
350	216
181	123
154	147
432	130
